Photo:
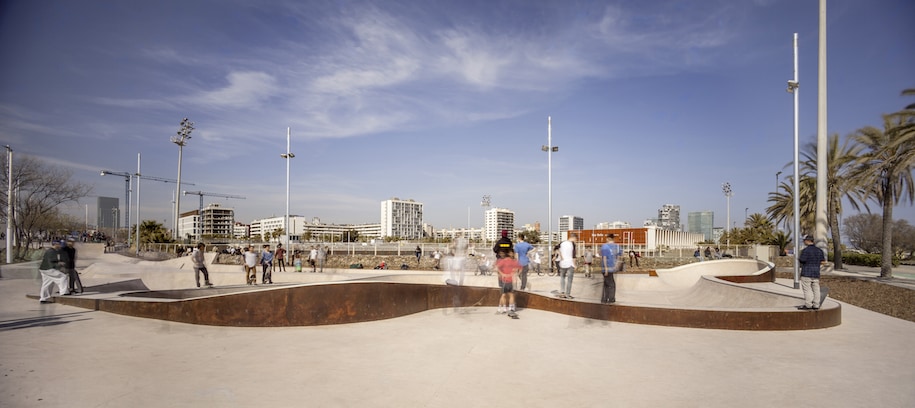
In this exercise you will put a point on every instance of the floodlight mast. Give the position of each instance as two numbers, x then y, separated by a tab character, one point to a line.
180	139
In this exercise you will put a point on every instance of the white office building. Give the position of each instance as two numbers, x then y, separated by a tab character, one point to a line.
570	222
498	220
401	219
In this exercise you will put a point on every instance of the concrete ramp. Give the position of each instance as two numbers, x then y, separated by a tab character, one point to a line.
688	275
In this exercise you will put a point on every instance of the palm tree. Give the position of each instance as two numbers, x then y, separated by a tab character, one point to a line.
782	208
841	183
887	163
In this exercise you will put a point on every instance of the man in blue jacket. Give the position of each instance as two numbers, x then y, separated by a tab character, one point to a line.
811	259
609	254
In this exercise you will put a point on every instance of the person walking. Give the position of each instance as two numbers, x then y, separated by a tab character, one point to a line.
52	262
610	254
266	265
566	265
522	248
280	257
75	285
250	265
811	259
200	265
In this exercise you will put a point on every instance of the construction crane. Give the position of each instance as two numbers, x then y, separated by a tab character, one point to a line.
204	193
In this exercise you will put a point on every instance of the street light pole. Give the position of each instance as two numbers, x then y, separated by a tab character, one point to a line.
793	86
549	149
726	188
180	139
487	201
288	155
9	206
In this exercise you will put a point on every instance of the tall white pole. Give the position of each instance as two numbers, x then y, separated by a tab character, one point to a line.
797	178
822	144
286	219
138	205
178	192
549	160
9	206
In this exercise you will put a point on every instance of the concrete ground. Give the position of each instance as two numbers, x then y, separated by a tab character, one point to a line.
55	355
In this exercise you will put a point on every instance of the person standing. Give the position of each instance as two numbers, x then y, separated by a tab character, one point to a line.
419	253
280	256
811	259
200	265
503	244
589	258
75	285
51	263
567	265
507	267
321	257
313	258
610	254
536	261
250	265
266	265
522	248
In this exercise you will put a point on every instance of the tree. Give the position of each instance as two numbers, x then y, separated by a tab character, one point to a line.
782	208
841	182
40	190
865	232
887	163
532	237
153	232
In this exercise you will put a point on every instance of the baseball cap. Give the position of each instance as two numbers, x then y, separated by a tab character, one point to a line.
808	238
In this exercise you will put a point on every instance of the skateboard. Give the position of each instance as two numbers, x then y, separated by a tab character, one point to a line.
561	295
513	315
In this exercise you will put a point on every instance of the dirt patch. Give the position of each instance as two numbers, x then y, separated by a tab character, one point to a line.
871	294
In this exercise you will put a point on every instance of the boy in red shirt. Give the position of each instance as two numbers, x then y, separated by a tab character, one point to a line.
507	266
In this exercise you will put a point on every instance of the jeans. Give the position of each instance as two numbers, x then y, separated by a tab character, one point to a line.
524	270
566	274
811	288
206	275
609	293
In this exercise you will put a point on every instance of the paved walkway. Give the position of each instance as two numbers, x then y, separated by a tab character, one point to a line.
56	356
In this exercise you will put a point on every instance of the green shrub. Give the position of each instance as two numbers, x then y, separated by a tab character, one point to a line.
872	260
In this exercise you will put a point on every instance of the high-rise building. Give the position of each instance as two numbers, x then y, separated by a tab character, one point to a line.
701	222
107	212
402	219
669	217
570	222
498	220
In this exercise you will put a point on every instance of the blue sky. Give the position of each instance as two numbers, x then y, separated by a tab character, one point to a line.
652	102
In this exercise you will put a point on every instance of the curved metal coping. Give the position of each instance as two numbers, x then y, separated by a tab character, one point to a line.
361	301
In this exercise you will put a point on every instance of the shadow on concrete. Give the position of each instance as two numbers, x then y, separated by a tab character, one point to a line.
44	321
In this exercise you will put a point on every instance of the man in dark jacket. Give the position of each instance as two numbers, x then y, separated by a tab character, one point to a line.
53	260
811	258
75	284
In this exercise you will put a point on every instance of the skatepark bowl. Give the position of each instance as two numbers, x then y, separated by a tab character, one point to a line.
736	294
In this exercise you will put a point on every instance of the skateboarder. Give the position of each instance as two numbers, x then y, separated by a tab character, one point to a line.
200	265
508	267
811	259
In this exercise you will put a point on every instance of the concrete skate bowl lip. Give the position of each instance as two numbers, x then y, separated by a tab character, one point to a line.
383	297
